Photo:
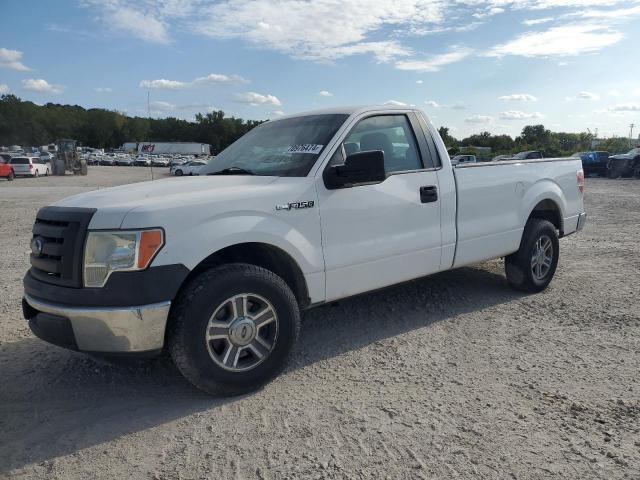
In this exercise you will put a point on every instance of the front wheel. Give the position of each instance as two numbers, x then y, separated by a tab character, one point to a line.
232	328
532	267
178	173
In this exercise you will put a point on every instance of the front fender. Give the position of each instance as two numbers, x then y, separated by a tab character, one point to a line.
192	246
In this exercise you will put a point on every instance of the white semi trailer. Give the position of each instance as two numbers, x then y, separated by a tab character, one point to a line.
182	148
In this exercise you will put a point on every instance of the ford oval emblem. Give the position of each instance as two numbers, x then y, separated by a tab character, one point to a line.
36	246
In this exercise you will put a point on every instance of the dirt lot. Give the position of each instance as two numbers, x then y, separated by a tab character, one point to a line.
450	376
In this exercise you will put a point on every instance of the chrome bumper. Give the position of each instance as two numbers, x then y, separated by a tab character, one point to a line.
112	329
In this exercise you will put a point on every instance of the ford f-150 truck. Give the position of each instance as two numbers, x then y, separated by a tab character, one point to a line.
301	211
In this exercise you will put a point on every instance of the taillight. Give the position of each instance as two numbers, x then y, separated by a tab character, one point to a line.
580	180
30	166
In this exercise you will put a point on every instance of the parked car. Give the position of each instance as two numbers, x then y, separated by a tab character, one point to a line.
6	169
528	155
220	268
142	161
594	162
30	166
107	159
123	161
499	158
458	159
189	168
624	164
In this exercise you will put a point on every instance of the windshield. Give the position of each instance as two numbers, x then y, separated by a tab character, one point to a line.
635	151
283	148
521	155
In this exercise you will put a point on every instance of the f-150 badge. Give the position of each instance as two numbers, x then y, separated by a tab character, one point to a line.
295	205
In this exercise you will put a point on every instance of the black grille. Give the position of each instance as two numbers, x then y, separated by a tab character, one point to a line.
58	237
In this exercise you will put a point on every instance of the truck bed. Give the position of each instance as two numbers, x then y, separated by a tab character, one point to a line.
496	198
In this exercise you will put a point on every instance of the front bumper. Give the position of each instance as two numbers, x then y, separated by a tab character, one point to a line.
114	330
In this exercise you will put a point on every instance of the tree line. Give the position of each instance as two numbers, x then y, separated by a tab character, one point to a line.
534	137
27	124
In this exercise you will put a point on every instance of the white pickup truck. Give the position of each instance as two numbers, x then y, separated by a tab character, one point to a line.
300	211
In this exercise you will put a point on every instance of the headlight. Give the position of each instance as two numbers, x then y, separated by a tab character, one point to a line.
117	251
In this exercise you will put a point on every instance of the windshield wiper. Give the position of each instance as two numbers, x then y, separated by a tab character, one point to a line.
233	171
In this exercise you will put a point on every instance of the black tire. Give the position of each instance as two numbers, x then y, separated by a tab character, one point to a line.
46	172
201	298
518	265
36	174
178	173
11	176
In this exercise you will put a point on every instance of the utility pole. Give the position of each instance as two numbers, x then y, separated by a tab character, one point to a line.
631	133
149	116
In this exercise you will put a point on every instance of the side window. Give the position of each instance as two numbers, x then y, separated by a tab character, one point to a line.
390	133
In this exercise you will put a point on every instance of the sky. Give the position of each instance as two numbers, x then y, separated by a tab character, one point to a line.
471	65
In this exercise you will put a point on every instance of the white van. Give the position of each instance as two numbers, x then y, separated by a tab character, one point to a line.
31	166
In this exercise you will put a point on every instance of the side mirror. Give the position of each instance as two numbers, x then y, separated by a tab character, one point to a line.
359	168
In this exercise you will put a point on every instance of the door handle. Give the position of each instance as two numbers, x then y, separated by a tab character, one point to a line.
429	194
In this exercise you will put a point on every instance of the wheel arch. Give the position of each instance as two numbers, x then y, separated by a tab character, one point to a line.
548	209
263	255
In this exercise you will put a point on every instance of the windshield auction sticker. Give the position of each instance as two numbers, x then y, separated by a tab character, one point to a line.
306	148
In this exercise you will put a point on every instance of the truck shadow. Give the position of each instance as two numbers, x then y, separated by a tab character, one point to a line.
54	402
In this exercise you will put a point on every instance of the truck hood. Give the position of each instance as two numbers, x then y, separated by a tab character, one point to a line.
114	203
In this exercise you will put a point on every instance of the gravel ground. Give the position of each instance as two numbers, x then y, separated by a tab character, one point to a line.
454	375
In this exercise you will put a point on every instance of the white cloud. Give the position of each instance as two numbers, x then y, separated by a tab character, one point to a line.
219	78
479	119
325	93
4	89
419	82
537	21
103	89
211	79
41	85
162	83
518	97
159	105
433	104
587	96
459	106
395	102
614	93
583	96
321	30
138	19
628	107
518	115
567	40
436	62
278	113
254	99
11	59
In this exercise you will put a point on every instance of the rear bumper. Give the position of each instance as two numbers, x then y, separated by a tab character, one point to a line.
109	330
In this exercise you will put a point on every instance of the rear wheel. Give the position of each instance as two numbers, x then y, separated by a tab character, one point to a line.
178	173
532	267
232	328
11	176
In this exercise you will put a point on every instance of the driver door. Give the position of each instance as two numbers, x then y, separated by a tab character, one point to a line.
376	235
